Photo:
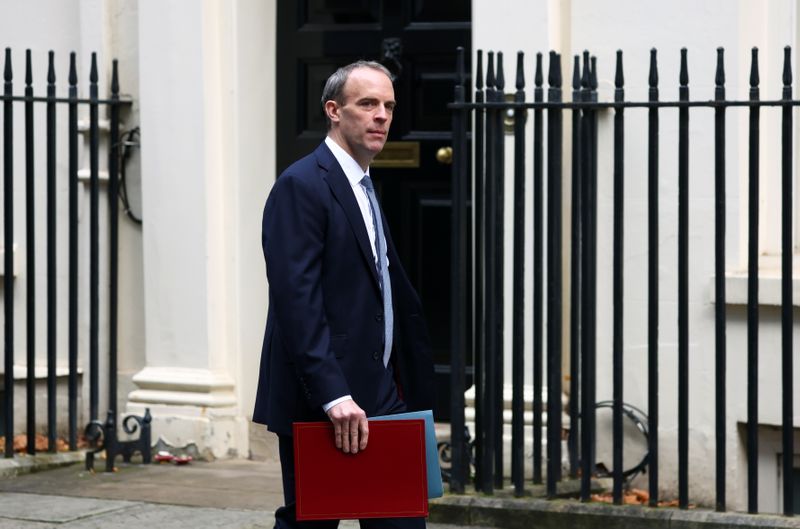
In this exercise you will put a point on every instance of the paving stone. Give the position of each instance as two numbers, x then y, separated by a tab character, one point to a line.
174	517
22	524
59	509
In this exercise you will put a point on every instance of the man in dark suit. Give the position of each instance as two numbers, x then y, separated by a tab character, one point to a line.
345	338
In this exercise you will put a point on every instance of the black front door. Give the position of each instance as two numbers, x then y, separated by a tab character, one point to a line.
417	41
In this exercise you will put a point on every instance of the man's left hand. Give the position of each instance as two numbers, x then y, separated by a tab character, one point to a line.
350	426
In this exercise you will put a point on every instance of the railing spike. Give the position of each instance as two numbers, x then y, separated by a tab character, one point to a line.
585	74
593	74
490	71
115	73
653	79
51	67
754	78
558	71
719	78
479	71
73	69
576	73
619	78
520	70
787	66
500	82
538	78
28	68
7	75
93	71
684	75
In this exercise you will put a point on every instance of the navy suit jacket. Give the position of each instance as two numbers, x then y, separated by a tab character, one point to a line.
324	332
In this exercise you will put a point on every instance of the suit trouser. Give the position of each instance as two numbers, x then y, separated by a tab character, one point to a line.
285	516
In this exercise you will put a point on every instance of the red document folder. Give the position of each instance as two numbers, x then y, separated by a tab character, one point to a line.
387	480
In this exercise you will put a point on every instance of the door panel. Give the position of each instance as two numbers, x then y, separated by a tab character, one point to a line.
317	36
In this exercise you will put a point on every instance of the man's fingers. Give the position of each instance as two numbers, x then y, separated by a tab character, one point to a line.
354	444
337	435
363	426
345	437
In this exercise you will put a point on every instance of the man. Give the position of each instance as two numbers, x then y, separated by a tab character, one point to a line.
345	338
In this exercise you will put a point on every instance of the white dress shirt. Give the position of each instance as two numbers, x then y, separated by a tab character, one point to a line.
354	174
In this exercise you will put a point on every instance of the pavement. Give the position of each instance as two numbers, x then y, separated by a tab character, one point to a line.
235	494
243	494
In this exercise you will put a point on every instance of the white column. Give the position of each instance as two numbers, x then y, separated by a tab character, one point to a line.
187	63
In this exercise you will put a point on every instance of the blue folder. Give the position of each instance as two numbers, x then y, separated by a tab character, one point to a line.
435	489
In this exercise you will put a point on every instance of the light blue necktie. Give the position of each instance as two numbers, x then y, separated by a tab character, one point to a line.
383	268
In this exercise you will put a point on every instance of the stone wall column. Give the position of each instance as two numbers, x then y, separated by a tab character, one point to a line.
187	60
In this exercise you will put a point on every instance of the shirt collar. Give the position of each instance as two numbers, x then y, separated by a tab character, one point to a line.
350	167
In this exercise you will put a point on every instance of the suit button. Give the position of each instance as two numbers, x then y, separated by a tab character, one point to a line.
376	355
379	317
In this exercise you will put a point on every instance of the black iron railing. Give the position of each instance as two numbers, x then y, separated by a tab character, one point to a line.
485	192
101	435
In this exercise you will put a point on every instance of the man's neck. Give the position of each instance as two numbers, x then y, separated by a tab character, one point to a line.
364	164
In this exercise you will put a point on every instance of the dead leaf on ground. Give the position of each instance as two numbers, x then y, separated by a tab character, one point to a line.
41	443
634	497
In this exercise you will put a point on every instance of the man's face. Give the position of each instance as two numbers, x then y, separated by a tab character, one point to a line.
361	124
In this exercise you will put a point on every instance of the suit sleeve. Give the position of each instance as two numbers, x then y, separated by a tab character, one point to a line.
293	238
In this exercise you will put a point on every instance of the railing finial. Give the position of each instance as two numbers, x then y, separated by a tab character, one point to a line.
684	76
576	73
7	75
520	70
51	67
73	70
479	71
558	71
585	74
719	78
115	75
28	68
93	71
619	77
754	77
653	79
490	72
787	66
593	74
538	78
500	81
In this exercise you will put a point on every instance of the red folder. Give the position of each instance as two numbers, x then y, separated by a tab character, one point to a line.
387	480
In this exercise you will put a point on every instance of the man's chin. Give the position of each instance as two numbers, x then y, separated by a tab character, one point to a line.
376	148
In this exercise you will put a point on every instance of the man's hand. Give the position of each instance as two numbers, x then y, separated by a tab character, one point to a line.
350	426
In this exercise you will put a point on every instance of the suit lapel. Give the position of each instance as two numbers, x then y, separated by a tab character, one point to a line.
343	192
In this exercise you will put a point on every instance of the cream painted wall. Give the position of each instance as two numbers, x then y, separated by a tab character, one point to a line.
634	26
510	27
254	140
107	27
737	29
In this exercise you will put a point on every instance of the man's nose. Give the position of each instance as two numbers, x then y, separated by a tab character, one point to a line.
381	113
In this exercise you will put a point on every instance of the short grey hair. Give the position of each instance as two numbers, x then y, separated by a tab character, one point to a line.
334	86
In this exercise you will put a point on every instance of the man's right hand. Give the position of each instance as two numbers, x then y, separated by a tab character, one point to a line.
350	426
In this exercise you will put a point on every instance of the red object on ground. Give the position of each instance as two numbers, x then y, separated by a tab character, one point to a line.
387	480
164	457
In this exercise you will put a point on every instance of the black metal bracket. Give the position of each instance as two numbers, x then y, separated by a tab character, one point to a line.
103	436
445	455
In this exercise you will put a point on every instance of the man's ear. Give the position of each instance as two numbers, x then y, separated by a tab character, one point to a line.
332	110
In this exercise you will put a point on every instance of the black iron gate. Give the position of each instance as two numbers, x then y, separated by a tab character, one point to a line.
487	195
100	435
